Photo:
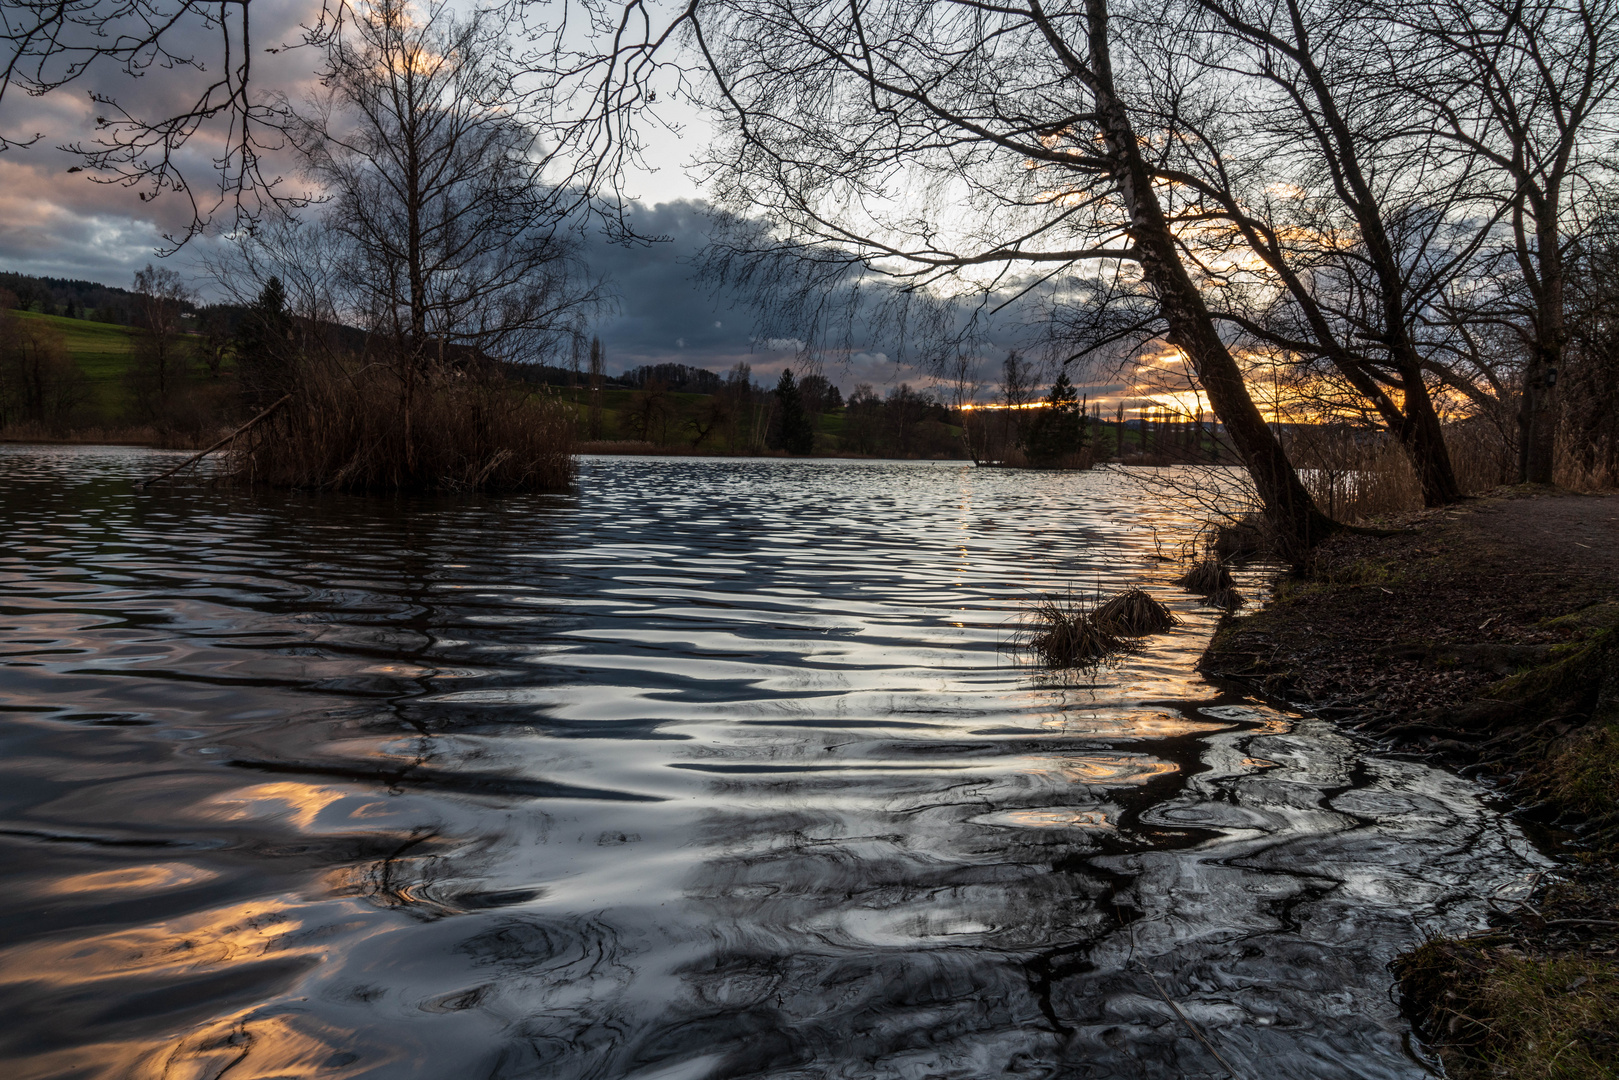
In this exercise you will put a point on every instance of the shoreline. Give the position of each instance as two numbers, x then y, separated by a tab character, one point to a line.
1482	637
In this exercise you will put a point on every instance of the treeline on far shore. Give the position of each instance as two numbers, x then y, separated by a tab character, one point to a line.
177	373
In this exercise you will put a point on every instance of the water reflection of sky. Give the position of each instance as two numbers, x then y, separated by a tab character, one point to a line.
714	768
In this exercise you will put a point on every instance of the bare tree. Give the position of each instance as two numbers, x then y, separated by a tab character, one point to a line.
1527	89
1591	390
953	144
162	361
1289	143
39	382
452	239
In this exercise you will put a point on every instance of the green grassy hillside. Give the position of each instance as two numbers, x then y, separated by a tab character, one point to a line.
102	351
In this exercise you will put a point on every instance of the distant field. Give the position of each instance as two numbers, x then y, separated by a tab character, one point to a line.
102	351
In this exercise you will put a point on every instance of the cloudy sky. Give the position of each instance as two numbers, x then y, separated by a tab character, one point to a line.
66	224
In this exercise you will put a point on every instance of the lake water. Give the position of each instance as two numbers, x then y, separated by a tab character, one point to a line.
711	769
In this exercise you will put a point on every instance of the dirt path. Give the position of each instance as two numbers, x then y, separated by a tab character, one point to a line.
1388	629
1576	533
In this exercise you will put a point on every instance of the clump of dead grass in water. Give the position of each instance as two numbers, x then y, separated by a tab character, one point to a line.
1496	1012
1207	576
361	429
1061	631
1133	613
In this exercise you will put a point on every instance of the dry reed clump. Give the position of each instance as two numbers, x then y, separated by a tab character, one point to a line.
1067	631
1207	577
357	429
1062	632
1133	613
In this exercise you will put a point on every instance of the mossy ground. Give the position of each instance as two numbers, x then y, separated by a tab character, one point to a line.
1485	637
1500	1012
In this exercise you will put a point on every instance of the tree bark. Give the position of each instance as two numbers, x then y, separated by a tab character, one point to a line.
1297	523
1537	418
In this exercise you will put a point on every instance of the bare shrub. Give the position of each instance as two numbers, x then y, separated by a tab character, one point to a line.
353	428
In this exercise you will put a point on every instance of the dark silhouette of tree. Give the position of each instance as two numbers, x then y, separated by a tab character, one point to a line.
217	336
157	376
1590	391
650	413
593	412
39	382
1523	91
451	239
265	347
931	141
820	394
797	436
1056	433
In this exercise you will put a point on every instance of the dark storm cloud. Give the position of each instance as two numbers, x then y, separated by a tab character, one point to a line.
667	313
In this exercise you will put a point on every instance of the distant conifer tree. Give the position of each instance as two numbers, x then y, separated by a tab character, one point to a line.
1057	432
264	349
797	437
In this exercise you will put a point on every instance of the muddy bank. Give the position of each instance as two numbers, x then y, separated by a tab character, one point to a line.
1482	637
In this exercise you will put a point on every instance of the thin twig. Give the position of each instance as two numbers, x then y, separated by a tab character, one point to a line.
1191	1026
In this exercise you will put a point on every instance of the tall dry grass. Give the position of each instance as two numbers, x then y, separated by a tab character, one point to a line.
1355	475
1590	469
361	428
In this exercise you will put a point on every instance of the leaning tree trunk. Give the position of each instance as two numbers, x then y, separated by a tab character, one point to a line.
1288	507
1423	440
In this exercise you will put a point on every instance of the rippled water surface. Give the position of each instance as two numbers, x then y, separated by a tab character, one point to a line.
712	769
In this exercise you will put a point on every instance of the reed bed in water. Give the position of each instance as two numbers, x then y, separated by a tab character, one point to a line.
364	430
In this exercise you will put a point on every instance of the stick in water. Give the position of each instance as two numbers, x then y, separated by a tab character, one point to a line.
198	457
1191	1026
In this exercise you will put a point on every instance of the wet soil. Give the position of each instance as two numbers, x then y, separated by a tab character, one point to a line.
1480	637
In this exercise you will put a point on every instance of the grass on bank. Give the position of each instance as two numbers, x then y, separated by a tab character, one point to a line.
1501	1015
